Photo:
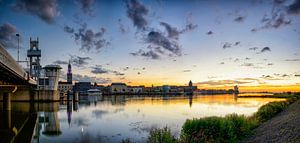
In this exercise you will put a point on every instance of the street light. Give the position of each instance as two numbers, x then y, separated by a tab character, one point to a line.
18	35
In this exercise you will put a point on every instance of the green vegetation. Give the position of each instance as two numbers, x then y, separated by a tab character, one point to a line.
231	128
163	135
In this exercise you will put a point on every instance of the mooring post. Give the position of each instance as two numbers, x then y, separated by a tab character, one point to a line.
75	96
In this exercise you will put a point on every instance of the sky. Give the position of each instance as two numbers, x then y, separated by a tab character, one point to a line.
215	43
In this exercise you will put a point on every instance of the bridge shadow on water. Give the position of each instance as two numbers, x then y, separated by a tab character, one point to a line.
22	123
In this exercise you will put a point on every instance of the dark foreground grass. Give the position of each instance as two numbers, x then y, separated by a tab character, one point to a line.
231	128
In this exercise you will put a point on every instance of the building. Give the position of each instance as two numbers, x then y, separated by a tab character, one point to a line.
82	87
50	81
136	89
118	88
69	74
64	87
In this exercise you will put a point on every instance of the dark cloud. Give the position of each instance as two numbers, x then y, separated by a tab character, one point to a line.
122	27
88	38
224	82
292	60
44	9
237	43
240	19
294	8
209	33
86	7
137	12
86	78
187	70
149	54
265	49
222	63
69	29
60	62
8	36
227	45
79	61
173	32
98	69
270	64
254	48
297	75
247	58
247	64
276	19
158	39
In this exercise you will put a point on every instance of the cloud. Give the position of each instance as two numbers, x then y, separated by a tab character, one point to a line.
187	70
226	45
222	63
137	12
86	78
79	61
86	6
276	19
98	69
60	62
88	38
265	49
254	48
99	113
224	82
8	35
240	19
149	54
46	10
173	32
247	64
294	8
158	39
292	60
122	27
209	33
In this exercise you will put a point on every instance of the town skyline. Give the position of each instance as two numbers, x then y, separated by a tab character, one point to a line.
216	44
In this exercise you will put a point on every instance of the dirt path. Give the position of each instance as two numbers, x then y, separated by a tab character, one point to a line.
285	127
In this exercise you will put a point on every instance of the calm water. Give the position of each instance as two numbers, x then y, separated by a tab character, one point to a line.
111	119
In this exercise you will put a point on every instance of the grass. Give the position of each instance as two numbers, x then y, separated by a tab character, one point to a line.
231	128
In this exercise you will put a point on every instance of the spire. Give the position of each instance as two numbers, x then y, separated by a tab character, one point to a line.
69	74
190	83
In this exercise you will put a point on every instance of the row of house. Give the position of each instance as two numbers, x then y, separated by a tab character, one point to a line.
118	88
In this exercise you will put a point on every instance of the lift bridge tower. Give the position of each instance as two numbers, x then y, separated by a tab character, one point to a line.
34	55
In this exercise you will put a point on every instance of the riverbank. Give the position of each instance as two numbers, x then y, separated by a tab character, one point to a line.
237	128
284	127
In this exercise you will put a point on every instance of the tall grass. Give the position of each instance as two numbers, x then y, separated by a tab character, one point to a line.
230	128
163	135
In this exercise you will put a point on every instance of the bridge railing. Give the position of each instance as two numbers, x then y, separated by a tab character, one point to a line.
8	61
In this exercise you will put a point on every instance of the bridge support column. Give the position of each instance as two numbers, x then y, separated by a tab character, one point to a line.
6	101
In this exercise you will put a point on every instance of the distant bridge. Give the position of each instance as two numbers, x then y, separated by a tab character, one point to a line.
11	73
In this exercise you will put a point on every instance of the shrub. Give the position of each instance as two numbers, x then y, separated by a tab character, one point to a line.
163	135
269	110
230	128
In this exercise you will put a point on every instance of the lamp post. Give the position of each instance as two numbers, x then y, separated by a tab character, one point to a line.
18	35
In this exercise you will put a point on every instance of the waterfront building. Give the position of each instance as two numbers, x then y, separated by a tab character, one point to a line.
82	87
64	87
50	81
136	89
118	88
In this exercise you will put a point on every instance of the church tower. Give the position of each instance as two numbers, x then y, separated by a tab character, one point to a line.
190	83
69	74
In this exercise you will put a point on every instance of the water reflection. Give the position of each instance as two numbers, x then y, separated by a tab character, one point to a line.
111	119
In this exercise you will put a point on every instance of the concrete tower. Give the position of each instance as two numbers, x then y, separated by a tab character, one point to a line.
69	74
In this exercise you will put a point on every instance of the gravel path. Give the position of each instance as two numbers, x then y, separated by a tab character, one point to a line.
284	127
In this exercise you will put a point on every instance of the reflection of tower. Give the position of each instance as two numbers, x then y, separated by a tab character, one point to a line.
236	89
53	126
69	74
34	55
191	100
69	112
